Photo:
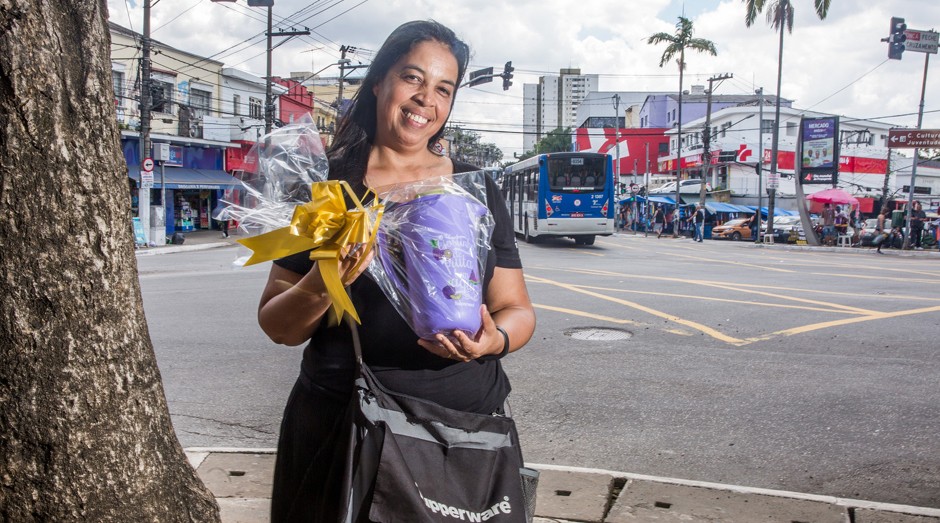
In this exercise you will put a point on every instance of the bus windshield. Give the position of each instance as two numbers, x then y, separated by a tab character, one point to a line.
576	174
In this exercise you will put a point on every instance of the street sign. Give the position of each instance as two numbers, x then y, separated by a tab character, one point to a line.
147	164
921	41
913	138
634	188
146	179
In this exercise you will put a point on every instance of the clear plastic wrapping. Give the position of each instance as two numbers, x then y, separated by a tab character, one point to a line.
431	252
278	173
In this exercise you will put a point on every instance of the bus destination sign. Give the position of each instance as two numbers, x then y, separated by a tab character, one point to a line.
913	138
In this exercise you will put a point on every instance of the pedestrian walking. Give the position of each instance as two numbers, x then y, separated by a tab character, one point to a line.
659	221
698	223
881	234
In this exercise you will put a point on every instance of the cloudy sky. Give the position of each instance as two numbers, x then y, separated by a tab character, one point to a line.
837	65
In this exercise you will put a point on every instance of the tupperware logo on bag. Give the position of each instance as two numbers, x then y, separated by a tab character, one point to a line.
502	507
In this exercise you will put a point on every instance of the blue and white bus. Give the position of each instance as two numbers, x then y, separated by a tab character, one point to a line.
561	194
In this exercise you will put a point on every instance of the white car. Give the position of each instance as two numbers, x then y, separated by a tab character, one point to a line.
685	187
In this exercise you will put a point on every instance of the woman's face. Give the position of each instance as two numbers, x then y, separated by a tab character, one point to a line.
414	98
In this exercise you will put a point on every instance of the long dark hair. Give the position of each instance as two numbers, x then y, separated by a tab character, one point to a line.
349	153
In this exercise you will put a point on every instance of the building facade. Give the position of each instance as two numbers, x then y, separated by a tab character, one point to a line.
553	103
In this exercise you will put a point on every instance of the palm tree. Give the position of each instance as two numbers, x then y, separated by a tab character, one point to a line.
678	43
780	13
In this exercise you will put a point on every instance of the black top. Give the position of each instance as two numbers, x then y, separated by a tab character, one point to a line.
390	347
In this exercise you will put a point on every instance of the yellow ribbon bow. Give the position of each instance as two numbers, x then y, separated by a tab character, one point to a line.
326	226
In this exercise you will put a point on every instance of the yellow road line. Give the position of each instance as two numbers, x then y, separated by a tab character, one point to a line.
848	321
834	293
877	277
581	251
584	314
741	264
728	286
670	317
726	300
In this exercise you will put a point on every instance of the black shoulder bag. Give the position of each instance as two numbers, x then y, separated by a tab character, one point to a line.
413	461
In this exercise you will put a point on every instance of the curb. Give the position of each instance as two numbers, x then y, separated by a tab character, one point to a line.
586	494
170	249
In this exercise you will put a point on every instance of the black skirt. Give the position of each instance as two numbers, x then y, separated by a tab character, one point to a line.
311	451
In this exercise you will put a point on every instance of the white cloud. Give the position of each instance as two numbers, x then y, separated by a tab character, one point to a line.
605	37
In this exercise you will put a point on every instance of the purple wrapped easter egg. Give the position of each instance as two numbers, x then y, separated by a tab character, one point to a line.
438	246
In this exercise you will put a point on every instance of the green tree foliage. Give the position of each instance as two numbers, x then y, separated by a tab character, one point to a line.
556	141
466	146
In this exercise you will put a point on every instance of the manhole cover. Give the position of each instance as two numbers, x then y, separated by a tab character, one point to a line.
599	334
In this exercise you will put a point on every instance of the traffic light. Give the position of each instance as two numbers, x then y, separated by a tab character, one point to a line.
507	75
896	38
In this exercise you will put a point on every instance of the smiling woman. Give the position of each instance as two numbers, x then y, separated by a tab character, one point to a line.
388	137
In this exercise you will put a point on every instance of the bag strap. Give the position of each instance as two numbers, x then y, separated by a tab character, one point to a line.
357	345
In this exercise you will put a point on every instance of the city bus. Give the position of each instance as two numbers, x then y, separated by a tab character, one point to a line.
561	194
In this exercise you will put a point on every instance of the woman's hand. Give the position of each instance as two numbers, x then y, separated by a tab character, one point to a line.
458	346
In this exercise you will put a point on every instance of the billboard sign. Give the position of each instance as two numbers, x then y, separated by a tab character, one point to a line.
819	150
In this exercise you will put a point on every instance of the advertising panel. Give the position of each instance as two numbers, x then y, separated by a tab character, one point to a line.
819	150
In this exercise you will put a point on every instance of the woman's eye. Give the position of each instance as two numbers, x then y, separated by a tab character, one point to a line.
444	91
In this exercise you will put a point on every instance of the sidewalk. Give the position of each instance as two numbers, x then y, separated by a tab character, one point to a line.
194	241
241	482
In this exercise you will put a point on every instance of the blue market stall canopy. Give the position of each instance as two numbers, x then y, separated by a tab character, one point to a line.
727	207
183	178
777	212
655	199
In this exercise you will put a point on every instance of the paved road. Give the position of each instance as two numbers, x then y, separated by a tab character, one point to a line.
807	371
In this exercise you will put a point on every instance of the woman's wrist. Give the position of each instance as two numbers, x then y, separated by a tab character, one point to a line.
505	349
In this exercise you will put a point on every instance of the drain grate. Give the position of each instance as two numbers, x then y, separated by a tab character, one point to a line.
598	334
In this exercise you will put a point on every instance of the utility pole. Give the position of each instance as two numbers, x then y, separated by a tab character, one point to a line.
910	192
343	67
706	138
616	99
268	98
646	185
143	195
760	155
775	144
268	95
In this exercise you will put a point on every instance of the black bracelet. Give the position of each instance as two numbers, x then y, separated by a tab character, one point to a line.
505	350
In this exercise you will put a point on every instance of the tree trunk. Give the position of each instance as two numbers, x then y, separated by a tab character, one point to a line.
85	434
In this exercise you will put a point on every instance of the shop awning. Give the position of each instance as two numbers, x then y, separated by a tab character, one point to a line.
655	199
777	212
183	178
723	207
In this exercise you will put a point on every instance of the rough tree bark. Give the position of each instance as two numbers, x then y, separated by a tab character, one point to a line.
85	433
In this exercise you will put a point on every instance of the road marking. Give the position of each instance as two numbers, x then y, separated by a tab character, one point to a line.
584	314
726	300
670	317
728	286
581	251
877	277
728	262
847	321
